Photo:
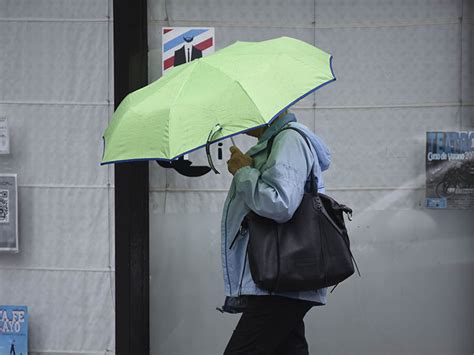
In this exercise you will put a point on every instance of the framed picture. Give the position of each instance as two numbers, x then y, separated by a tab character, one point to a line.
8	213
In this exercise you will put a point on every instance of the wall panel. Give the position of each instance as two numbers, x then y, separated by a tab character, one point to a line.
56	61
402	68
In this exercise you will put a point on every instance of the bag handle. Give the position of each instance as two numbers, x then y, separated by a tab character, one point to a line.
314	179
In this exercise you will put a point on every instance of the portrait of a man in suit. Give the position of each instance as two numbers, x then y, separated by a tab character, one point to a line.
186	53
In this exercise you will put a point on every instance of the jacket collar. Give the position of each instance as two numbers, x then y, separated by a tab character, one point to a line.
270	131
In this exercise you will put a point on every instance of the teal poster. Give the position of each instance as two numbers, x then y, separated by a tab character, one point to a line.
13	330
450	170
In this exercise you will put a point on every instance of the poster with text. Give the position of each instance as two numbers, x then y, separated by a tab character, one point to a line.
4	136
450	170
184	44
8	213
13	330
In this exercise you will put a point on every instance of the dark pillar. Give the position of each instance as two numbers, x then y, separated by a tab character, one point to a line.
131	189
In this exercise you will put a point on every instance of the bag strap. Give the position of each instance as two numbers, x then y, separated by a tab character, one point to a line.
314	179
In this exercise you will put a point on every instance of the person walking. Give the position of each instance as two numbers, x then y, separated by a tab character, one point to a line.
273	187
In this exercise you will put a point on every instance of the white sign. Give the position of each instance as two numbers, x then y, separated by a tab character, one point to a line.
8	213
4	206
184	44
4	136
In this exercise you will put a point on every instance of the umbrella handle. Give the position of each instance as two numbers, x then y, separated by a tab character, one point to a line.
208	145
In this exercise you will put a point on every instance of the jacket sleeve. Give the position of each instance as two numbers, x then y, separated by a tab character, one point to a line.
277	190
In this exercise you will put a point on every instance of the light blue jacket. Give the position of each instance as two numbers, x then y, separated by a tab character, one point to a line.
272	188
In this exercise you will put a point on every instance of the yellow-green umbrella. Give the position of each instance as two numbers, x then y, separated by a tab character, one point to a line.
234	90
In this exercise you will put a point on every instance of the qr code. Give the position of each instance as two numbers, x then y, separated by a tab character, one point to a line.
4	213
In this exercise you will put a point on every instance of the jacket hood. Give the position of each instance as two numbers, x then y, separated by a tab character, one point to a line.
321	149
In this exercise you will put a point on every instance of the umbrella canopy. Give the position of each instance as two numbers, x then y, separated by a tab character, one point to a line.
236	89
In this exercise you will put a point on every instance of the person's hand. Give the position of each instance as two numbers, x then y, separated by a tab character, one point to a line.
237	160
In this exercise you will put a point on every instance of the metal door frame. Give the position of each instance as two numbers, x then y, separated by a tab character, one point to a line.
132	318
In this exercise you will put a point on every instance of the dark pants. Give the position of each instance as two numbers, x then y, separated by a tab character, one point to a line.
270	325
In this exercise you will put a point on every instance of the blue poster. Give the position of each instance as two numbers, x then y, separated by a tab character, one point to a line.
450	170
13	330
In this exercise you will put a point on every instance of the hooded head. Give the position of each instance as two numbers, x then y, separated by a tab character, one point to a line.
265	132
321	149
258	132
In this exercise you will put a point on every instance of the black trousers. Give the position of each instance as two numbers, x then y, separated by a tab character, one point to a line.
271	325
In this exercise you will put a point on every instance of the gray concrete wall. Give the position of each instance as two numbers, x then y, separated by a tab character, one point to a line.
56	89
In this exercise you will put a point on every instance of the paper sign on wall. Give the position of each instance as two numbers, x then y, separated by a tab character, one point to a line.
4	136
8	213
450	170
181	45
14	330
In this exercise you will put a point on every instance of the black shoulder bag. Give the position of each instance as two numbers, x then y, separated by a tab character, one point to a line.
308	252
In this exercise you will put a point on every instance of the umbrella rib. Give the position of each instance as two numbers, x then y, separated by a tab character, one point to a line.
247	94
176	98
238	83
